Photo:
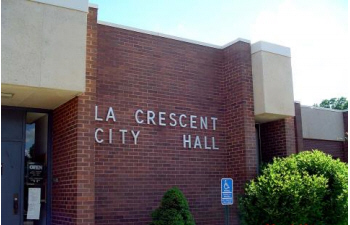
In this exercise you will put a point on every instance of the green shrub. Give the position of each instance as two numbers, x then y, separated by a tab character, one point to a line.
173	210
306	188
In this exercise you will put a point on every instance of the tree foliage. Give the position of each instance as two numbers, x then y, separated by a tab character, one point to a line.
334	103
173	210
307	188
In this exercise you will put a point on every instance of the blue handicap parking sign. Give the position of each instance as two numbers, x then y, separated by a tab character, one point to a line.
226	191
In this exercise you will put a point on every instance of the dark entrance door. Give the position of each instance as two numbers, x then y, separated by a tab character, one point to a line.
12	161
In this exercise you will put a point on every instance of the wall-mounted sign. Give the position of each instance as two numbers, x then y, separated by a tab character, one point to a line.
35	173
33	212
226	191
151	118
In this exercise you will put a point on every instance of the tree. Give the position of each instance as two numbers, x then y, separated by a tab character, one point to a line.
173	210
334	103
305	188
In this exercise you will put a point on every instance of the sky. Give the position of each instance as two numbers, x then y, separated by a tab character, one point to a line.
315	30
30	137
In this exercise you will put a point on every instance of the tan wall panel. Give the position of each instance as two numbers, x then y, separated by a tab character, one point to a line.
21	25
63	49
322	124
272	82
33	97
43	45
278	84
258	84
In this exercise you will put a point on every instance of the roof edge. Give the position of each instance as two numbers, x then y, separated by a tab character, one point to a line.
270	47
171	36
92	5
326	109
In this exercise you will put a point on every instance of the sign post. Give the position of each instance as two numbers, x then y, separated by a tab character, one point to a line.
35	173
227	196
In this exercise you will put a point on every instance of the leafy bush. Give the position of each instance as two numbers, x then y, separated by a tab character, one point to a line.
306	188
173	210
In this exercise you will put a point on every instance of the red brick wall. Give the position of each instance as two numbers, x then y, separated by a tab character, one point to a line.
334	148
86	127
73	198
298	128
290	136
277	139
337	149
139	71
64	159
345	118
239	119
121	184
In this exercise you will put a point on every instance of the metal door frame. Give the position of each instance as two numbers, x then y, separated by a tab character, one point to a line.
49	158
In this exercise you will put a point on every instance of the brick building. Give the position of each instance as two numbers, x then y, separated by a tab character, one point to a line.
117	115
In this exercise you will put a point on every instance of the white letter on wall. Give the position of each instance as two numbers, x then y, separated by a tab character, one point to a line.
96	116
213	142
187	141
206	143
150	117
110	136
161	118
137	116
204	123
110	114
193	121
180	120
96	138
197	142
135	136
214	122
123	135
171	116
